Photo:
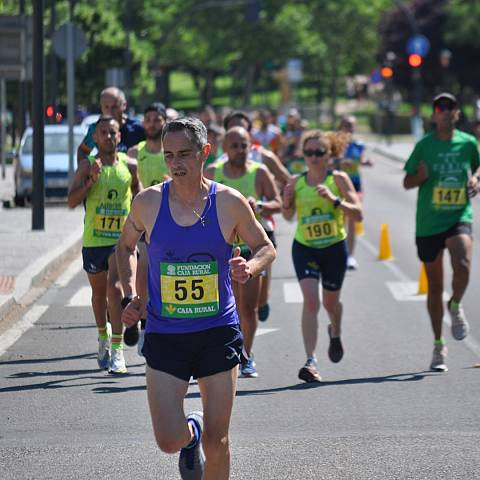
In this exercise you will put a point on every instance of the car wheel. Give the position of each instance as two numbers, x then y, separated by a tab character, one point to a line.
19	200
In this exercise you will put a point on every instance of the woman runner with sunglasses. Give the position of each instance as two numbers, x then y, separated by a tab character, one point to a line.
321	198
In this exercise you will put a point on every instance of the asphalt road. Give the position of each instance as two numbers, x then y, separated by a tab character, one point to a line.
379	414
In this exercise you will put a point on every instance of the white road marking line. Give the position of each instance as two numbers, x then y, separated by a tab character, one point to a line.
263	331
390	265
292	292
82	298
8	338
64	279
407	292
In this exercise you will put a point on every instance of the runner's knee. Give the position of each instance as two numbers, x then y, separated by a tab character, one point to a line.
215	446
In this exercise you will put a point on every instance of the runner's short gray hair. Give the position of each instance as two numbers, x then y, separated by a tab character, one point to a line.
194	128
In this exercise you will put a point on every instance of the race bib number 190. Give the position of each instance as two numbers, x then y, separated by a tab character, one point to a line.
189	290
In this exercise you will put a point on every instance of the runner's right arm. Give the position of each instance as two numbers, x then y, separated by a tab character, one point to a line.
413	180
288	199
126	255
85	176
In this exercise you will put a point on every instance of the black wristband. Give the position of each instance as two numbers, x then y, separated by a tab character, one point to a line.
126	300
337	202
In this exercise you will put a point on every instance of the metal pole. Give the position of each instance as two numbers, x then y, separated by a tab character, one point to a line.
38	187
71	98
3	118
53	58
23	84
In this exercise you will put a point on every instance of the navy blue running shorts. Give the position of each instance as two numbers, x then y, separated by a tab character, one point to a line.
429	247
95	259
197	354
330	263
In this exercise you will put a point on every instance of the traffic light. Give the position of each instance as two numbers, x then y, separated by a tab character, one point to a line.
386	72
50	112
415	60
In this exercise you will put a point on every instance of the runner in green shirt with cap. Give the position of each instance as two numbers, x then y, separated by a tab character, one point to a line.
444	165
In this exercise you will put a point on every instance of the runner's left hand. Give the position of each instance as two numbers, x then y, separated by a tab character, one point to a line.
239	268
473	186
326	193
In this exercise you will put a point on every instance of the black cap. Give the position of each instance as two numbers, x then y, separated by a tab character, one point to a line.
445	96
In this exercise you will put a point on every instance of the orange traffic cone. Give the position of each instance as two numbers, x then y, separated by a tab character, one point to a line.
359	231
384	249
422	281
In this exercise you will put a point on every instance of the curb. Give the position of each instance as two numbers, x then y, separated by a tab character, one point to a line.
386	153
32	275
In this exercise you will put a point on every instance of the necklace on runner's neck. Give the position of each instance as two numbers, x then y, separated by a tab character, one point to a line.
201	217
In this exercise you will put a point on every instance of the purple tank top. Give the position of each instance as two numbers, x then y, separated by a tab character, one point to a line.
189	285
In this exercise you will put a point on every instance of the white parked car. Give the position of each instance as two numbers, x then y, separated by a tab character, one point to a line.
56	162
89	119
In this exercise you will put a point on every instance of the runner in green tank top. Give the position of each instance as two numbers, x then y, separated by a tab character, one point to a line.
320	199
255	183
105	184
441	166
152	170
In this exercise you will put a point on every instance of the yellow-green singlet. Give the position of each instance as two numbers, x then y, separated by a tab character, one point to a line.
107	204
151	166
244	184
320	224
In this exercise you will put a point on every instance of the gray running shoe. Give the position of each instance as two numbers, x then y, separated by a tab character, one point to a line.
460	325
192	460
439	358
103	358
141	339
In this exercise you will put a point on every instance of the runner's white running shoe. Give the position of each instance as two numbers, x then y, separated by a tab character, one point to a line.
352	264
117	364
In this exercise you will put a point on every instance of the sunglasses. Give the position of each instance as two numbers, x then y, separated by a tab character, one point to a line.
317	153
444	107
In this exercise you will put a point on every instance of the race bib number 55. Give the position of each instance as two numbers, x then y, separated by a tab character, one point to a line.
189	290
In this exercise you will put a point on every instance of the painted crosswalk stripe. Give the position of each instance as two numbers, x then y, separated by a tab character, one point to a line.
292	292
82	298
264	331
407	292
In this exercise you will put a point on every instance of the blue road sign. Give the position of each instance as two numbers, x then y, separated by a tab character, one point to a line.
376	76
418	44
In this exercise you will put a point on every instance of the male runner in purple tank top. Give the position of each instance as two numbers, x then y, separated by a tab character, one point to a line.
192	323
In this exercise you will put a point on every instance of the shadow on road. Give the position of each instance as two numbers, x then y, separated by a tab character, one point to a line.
398	377
112	383
25	361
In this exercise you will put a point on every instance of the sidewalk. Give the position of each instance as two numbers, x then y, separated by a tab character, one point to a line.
28	256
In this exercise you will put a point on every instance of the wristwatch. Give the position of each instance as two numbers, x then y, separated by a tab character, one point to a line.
259	206
126	300
337	202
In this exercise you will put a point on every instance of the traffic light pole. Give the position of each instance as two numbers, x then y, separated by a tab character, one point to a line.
417	102
38	176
